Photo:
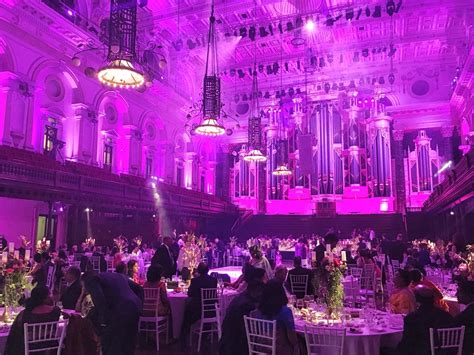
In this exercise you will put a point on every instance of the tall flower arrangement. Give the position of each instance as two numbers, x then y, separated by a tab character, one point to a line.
191	253
90	242
16	284
328	284
121	243
43	245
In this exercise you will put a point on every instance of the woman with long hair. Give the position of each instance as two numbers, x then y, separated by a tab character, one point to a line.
38	309
273	306
133	271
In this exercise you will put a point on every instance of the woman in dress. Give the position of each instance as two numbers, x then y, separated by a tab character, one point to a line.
259	261
38	309
133	272
153	280
402	300
273	306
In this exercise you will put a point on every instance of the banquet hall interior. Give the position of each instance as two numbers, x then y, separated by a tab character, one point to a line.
237	177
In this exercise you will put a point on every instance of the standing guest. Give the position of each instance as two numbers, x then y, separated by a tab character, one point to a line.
319	250
38	309
118	302
234	339
153	280
301	250
193	307
259	261
133	272
164	257
298	269
465	296
273	306
417	324
424	255
402	300
417	279
74	289
397	249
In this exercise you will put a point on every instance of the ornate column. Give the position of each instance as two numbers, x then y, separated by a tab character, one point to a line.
400	190
447	133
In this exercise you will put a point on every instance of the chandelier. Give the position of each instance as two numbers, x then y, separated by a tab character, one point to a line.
255	125
211	95
120	70
281	170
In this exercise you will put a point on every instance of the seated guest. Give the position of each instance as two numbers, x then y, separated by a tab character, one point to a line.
465	296
417	324
367	259
132	272
402	300
73	291
193	307
299	270
281	273
121	268
37	310
153	280
417	279
273	306
118	302
234	339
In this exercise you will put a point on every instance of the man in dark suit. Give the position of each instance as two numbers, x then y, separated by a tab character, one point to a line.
417	324
299	270
465	296
193	307
73	291
397	248
164	257
119	302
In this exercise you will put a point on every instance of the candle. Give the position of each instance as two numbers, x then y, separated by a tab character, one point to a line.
48	243
17	254
4	258
328	248
27	255
11	247
343	256
369	245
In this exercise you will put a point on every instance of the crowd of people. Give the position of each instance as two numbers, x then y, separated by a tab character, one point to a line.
111	302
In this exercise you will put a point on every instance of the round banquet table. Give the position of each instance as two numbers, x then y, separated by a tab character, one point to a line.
178	302
365	341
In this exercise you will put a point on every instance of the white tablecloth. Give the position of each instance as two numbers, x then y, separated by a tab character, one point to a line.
367	342
178	304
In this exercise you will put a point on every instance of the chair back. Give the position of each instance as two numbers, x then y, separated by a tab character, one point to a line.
45	336
208	300
352	292
447	338
151	300
95	260
50	277
220	319
355	271
299	284
110	264
261	335
368	270
323	340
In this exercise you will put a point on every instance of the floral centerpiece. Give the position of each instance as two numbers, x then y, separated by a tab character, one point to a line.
16	285
328	284
25	242
89	242
43	245
191	253
121	243
138	240
202	244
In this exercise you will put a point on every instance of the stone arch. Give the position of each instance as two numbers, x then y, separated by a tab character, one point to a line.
57	94
6	58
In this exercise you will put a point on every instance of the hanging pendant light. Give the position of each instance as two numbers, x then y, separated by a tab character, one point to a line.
211	105
121	69
254	153
281	170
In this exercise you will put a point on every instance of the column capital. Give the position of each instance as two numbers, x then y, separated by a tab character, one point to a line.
398	135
